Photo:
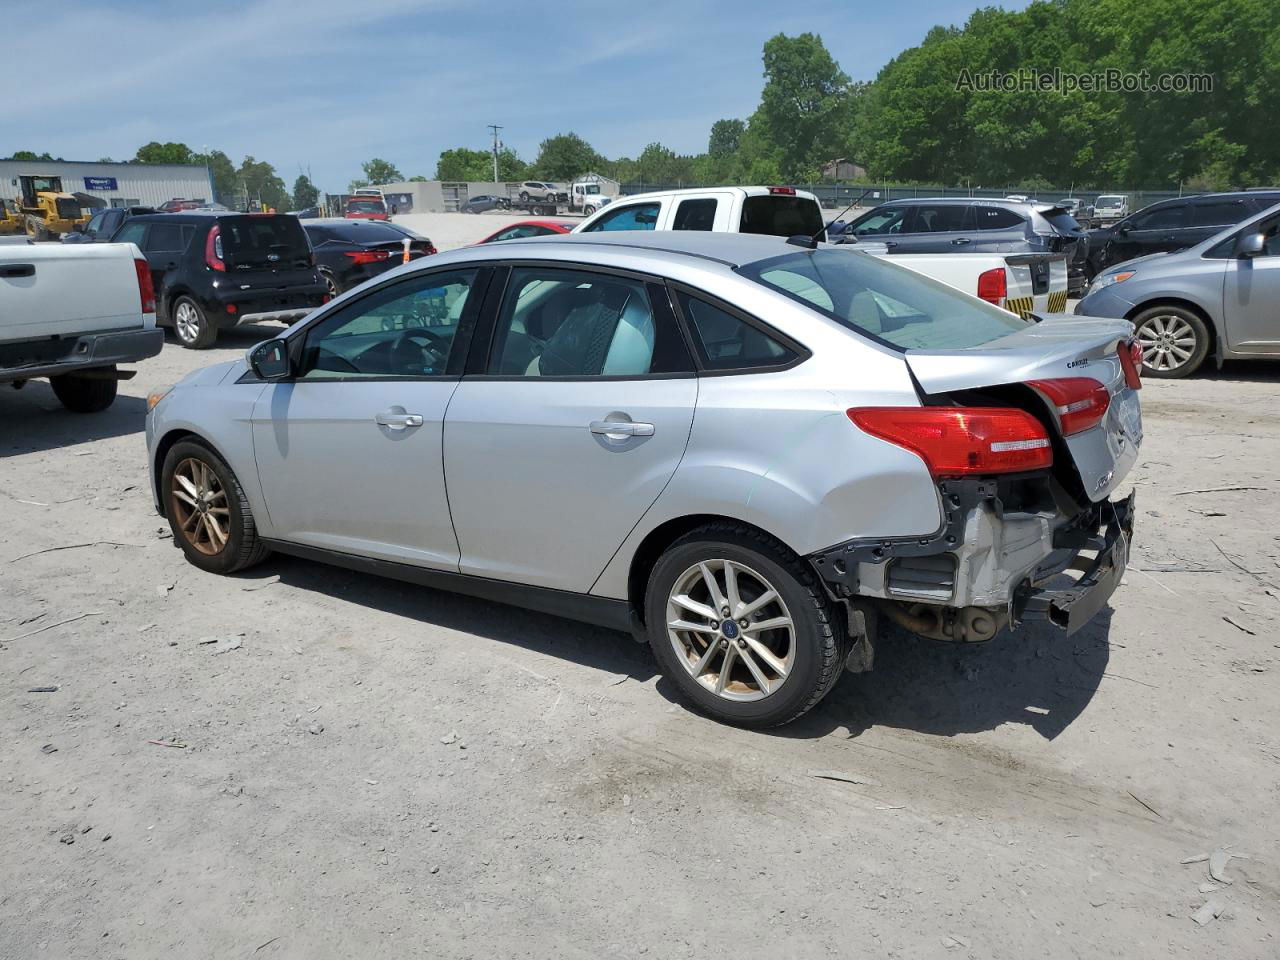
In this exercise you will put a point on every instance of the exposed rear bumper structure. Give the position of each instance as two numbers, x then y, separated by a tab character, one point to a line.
54	357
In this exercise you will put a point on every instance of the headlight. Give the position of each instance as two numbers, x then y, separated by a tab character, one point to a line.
1107	279
155	396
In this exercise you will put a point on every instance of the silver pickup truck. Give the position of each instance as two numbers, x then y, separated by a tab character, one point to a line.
72	314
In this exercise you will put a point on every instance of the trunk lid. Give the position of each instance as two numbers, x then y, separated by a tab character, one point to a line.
1060	347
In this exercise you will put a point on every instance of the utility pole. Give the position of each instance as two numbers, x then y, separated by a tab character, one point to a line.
494	128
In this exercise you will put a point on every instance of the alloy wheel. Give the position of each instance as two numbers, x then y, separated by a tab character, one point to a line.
199	503
187	321
731	630
1167	340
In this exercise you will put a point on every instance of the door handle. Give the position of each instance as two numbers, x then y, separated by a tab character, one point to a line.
891	243
621	428
399	420
959	240
18	270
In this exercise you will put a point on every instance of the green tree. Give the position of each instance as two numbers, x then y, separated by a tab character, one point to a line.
305	193
260	182
419	178
156	152
462	163
726	137
658	164
29	155
226	180
378	171
804	117
565	156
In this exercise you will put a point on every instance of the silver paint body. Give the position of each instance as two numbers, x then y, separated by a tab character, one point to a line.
506	479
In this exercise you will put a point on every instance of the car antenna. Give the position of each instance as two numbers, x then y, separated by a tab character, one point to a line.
800	240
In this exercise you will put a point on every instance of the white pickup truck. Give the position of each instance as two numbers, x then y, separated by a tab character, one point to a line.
72	313
1020	283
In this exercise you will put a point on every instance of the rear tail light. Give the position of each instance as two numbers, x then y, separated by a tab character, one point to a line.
1079	402
146	289
1131	361
955	441
231	308
783	191
993	286
368	256
213	250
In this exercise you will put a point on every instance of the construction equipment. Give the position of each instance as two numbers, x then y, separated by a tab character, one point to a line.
47	210
11	220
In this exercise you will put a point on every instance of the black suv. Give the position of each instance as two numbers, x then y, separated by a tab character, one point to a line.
1169	225
213	270
973	225
103	224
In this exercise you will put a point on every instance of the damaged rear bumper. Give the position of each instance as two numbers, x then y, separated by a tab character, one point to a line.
1072	607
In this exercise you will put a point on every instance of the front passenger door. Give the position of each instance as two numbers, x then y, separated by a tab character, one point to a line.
348	449
1251	297
578	420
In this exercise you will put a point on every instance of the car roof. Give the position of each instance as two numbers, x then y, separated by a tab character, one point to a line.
752	191
570	224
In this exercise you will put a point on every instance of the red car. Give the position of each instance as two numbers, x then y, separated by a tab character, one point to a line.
366	208
529	228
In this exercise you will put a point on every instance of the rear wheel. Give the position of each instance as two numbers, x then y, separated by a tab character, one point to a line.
742	627
85	394
1175	341
588	210
191	326
208	513
331	284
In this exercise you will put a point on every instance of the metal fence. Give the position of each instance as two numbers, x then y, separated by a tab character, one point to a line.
837	196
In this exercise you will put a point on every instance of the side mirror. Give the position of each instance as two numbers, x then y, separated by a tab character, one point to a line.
1251	245
269	360
1123	230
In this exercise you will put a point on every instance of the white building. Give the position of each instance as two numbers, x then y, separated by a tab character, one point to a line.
112	184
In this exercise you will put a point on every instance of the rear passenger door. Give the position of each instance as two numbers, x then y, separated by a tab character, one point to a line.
163	247
1212	215
997	230
573	416
937	228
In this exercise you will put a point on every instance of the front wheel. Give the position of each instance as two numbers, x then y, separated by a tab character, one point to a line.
207	510
1175	341
192	326
742	627
588	210
85	394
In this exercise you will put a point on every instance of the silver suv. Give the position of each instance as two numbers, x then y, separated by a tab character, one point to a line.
741	449
535	190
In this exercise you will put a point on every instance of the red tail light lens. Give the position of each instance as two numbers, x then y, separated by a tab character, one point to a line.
213	250
368	256
1131	361
993	286
783	191
1079	402
955	441
146	289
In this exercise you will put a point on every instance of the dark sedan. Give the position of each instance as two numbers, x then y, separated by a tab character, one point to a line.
349	252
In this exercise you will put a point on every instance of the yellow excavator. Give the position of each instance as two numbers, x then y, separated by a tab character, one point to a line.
48	211
11	221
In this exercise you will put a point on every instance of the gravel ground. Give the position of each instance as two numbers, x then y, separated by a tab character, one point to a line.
363	768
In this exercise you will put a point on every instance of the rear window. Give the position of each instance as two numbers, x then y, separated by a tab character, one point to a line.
257	241
1061	221
366	206
996	218
782	216
892	304
1218	213
364	232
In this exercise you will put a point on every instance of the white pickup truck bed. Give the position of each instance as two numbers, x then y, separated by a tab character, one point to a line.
72	313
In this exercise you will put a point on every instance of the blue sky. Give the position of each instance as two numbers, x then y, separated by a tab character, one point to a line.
325	84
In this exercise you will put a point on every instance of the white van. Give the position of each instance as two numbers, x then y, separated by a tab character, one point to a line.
779	211
1111	207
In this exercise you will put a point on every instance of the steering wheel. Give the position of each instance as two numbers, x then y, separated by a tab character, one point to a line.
432	349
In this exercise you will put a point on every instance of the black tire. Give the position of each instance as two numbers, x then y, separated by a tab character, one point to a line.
820	638
201	334
85	395
331	282
524	196
588	210
242	547
1162	329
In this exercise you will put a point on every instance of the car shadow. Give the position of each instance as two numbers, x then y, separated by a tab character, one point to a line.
596	647
1038	677
35	421
1242	371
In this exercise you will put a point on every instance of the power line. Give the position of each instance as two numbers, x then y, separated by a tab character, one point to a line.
494	128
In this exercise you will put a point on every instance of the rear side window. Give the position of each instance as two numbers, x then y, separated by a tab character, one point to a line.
939	218
996	218
263	241
726	342
1062	222
165	237
637	216
696	214
1219	213
779	215
1161	218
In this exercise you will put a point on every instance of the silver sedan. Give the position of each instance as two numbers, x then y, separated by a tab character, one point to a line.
743	450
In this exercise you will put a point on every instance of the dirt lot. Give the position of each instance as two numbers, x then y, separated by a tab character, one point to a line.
382	770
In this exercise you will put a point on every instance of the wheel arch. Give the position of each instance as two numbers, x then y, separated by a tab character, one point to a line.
166	443
1215	337
655	544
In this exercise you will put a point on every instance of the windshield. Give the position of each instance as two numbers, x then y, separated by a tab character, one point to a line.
892	304
365	206
779	215
1110	201
258	241
365	231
